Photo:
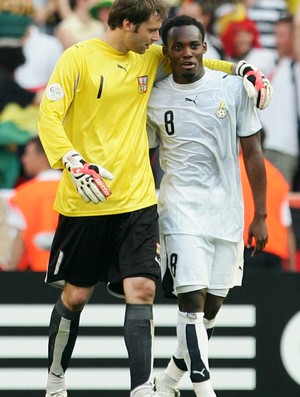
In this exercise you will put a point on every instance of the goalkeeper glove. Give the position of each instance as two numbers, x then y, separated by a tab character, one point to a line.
87	177
257	86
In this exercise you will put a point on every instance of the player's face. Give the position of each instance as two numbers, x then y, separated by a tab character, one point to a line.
31	160
185	49
146	34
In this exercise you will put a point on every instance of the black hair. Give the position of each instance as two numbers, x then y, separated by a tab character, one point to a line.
285	18
182	20
38	144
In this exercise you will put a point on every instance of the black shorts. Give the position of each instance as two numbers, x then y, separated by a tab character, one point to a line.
107	248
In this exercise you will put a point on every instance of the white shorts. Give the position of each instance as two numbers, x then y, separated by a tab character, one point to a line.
191	262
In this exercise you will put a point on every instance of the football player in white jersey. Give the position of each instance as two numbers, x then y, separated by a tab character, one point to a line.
198	117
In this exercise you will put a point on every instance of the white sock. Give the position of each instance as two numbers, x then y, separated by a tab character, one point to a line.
208	324
204	389
172	375
193	343
56	382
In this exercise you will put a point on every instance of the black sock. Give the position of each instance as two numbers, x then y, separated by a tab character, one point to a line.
180	363
63	332
138	334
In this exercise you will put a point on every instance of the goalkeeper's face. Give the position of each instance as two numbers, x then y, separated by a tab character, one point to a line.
140	37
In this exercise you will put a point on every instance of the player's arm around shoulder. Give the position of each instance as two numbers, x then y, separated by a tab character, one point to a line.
257	86
218	64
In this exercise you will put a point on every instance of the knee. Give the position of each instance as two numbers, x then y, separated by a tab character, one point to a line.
192	302
212	306
139	290
75	298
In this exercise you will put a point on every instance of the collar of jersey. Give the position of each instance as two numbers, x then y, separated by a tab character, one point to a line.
190	86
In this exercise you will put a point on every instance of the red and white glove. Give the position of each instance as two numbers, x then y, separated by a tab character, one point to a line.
87	177
257	86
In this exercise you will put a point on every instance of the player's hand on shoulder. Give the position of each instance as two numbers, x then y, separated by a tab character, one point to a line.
87	177
257	86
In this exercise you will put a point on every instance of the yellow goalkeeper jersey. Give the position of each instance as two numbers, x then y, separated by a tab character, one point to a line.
96	103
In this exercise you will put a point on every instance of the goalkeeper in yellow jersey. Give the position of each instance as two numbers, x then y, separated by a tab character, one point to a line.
92	124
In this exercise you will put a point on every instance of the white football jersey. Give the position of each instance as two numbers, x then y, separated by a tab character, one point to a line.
197	126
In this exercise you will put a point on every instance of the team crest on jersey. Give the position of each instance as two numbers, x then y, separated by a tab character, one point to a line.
142	84
221	112
55	92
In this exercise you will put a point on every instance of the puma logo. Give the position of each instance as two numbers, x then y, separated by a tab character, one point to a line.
122	67
191	100
199	372
60	376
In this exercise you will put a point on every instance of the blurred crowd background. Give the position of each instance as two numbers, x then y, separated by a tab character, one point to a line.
33	35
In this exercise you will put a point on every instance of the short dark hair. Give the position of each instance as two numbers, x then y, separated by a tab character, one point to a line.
285	18
38	144
182	20
136	11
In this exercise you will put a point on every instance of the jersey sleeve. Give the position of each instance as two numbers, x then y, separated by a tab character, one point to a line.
217	64
163	67
152	132
248	122
55	103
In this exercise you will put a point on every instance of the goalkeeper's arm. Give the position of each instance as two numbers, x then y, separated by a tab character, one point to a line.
257	86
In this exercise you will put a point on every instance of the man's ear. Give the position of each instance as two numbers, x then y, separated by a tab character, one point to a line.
204	47
165	51
127	25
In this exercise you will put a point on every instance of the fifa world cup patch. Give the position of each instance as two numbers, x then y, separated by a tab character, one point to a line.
221	112
142	84
55	92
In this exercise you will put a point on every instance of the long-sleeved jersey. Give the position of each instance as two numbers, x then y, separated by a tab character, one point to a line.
96	103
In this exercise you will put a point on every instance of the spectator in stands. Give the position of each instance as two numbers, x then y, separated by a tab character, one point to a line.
49	13
241	40
100	11
31	212
281	66
41	52
79	25
7	233
280	121
265	14
227	12
18	110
